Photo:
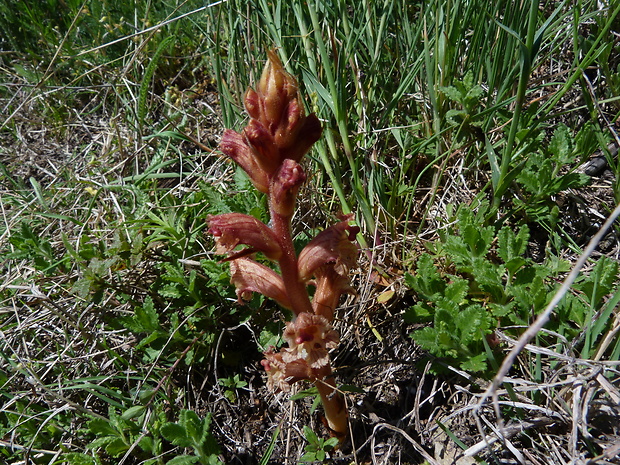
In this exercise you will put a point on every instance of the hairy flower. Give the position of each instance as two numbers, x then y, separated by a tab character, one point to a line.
275	90
334	245
281	375
278	118
309	337
236	147
330	285
250	276
232	229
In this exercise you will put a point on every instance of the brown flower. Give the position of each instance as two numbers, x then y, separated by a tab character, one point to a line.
236	147
232	229
285	186
330	285
309	337
250	276
281	375
334	245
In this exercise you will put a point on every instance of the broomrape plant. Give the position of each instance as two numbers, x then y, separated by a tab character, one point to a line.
269	149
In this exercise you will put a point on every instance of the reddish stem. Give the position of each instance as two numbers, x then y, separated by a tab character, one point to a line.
295	289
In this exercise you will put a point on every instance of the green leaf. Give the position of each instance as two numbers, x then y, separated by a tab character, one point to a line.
561	145
133	412
116	447
76	458
176	434
147	316
475	364
183	460
511	245
102	427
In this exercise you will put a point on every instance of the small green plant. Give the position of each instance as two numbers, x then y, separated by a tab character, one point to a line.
135	428
192	432
547	172
231	384
467	97
317	449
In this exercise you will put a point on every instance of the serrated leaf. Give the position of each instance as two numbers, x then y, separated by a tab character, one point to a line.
452	93
426	282
147	316
475	364
457	290
561	145
116	447
176	434
170	291
192	424
511	245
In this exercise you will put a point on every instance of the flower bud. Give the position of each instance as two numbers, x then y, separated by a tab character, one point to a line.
276	88
285	186
265	151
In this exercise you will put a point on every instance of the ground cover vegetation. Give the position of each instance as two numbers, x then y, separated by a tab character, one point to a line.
474	142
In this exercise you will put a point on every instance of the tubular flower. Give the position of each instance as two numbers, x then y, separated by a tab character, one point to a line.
232	229
281	375
330	285
235	146
249	276
285	186
333	245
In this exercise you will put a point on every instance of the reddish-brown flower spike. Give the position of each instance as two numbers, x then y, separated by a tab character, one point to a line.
233	229
309	132
334	245
276	107
276	89
266	153
249	276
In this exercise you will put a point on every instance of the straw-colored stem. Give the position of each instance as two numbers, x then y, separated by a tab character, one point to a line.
333	405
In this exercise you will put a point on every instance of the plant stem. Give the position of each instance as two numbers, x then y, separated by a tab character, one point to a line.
295	289
333	404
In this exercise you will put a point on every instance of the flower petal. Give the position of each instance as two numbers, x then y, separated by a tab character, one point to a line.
232	229
280	375
250	276
330	285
